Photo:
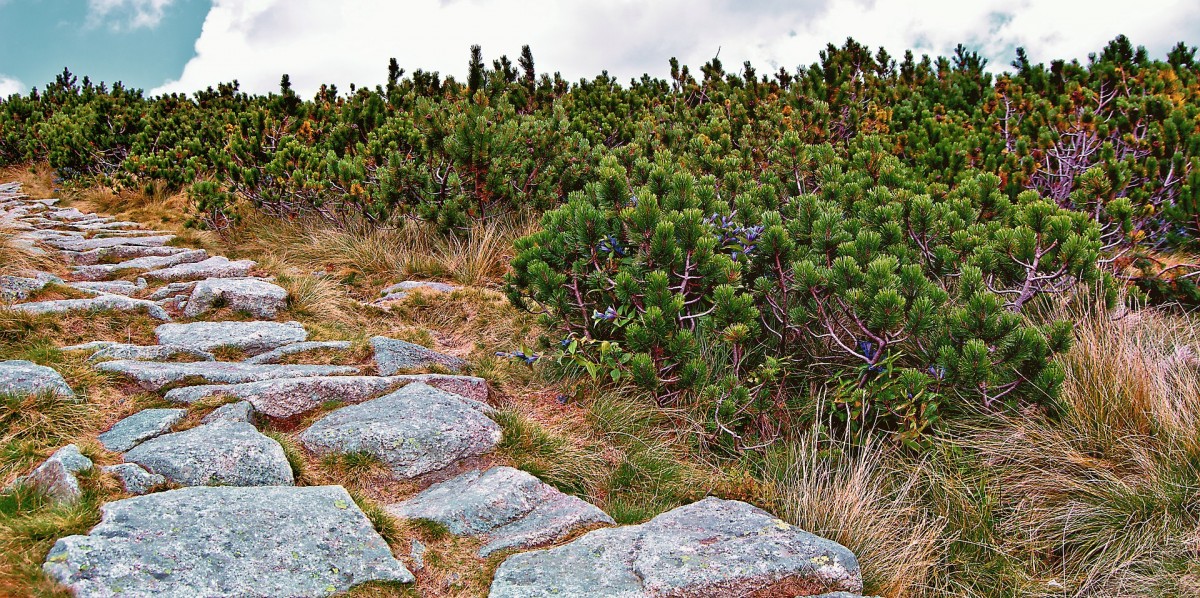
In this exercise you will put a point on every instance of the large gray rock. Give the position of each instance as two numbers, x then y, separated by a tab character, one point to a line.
139	427
392	355
506	507
213	267
253	295
120	252
134	479
101	303
251	337
217	454
710	548
111	350
415	430
20	377
116	287
56	476
285	398
153	375
81	245
105	271
279	354
215	542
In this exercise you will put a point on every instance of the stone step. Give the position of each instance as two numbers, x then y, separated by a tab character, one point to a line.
392	355
289	397
710	548
277	355
111	350
213	267
80	244
507	508
216	454
19	377
106	271
101	303
252	337
415	430
255	296
210	541
154	375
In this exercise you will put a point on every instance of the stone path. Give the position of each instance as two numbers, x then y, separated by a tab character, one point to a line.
236	524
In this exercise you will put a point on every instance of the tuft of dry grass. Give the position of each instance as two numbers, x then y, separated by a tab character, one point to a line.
859	498
372	255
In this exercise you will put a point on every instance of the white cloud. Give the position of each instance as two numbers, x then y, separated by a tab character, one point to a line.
9	86
318	41
127	14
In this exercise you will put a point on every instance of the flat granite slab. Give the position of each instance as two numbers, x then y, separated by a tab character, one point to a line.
153	375
214	542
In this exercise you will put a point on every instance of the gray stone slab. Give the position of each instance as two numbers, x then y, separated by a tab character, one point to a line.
213	267
277	355
216	542
252	295
140	427
120	252
25	378
110	350
106	271
216	454
289	397
117	287
252	337
241	411
153	375
392	355
100	303
415	430
507	508
401	290
77	244
710	548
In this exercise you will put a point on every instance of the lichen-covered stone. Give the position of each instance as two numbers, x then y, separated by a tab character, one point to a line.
17	288
251	337
415	430
18	377
506	507
241	411
134	479
111	350
277	355
119	252
56	475
101	303
80	245
173	289
392	355
153	375
217	454
258	297
710	548
210	542
115	287
105	271
285	398
213	267
139	427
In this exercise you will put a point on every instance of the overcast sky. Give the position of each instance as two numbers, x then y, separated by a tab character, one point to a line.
186	45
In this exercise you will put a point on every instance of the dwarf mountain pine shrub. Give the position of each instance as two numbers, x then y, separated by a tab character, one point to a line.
906	297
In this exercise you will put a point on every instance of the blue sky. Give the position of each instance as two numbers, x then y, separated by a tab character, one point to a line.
186	45
40	37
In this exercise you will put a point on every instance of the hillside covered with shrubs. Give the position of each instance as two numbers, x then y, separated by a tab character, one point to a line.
868	255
